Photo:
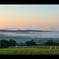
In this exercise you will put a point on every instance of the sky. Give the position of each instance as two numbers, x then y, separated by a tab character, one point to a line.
24	17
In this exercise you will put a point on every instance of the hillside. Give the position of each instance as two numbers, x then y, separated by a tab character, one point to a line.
23	30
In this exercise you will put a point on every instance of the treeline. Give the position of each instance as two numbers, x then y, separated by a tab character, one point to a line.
5	43
48	43
27	43
51	42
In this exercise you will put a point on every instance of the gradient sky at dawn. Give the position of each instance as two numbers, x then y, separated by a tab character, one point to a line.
37	17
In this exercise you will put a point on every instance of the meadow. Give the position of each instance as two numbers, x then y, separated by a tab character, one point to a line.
31	50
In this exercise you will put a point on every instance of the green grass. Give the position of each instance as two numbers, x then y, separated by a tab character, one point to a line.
31	50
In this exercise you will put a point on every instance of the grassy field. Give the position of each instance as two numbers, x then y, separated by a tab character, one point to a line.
32	50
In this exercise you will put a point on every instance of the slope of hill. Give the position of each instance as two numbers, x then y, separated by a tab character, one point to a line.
23	31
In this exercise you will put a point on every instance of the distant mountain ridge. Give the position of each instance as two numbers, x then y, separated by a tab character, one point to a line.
24	30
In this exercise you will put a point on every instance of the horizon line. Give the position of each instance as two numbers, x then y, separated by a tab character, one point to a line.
27	29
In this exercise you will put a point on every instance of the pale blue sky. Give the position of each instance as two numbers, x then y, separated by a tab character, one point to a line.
45	17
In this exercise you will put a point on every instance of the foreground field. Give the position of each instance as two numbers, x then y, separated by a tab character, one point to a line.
32	50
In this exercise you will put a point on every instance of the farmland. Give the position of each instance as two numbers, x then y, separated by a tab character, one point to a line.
31	50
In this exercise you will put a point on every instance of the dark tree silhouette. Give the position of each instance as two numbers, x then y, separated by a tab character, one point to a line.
29	43
49	42
5	43
12	42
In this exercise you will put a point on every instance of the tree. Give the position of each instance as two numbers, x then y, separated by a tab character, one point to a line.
49	42
1	46
32	42
57	42
12	42
29	43
5	43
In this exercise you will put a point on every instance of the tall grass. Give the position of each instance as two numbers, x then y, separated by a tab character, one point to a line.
32	50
